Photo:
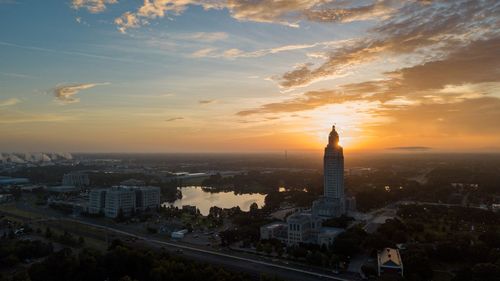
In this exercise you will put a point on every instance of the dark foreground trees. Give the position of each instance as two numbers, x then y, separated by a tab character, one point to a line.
121	263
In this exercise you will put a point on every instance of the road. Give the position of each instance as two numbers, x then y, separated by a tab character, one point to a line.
252	266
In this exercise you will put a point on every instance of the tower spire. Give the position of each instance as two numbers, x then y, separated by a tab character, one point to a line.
333	138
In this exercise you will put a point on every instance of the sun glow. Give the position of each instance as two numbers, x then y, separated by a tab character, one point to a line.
348	118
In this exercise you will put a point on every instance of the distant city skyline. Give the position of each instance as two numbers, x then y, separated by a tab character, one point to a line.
249	76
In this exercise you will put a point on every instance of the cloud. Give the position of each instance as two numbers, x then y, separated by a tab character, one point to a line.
207	101
126	21
238	53
289	12
174	119
441	81
307	101
65	94
21	117
416	28
470	118
203	53
9	102
205	36
93	6
376	9
411	148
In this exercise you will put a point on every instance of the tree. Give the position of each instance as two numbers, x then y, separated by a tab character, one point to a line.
254	208
485	272
120	217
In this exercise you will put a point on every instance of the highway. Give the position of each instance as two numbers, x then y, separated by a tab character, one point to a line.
253	267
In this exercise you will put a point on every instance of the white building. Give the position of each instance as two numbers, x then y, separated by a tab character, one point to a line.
119	199
389	261
147	197
179	234
97	201
125	198
274	230
76	179
302	228
327	235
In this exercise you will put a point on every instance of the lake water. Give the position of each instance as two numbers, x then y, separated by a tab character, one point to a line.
194	195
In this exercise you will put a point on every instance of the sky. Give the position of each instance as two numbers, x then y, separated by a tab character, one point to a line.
249	75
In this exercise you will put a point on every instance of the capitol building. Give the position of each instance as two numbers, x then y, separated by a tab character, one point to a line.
306	226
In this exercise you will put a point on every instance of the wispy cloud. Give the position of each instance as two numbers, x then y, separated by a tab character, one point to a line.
9	102
126	21
416	28
204	36
93	6
207	101
288	13
21	117
8	2
72	53
203	53
411	148
238	53
15	75
65	94
442	81
174	119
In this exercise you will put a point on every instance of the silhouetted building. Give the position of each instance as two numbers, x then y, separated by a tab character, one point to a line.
332	204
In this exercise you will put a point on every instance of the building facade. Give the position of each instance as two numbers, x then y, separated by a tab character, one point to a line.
306	226
275	230
147	197
333	167
332	204
76	179
97	201
126	199
119	199
389	262
303	227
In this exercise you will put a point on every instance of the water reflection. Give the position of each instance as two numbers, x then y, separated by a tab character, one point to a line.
194	195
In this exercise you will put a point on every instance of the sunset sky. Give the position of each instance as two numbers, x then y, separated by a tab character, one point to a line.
248	75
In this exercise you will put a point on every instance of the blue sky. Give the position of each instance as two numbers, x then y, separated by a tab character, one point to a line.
242	75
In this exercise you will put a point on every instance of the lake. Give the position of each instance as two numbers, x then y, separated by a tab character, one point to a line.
195	196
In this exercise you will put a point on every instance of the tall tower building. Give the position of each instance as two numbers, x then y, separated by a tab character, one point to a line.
332	204
333	167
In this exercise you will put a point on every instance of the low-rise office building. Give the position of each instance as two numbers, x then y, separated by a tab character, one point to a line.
274	230
327	235
301	227
97	201
125	199
147	197
119	200
77	179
